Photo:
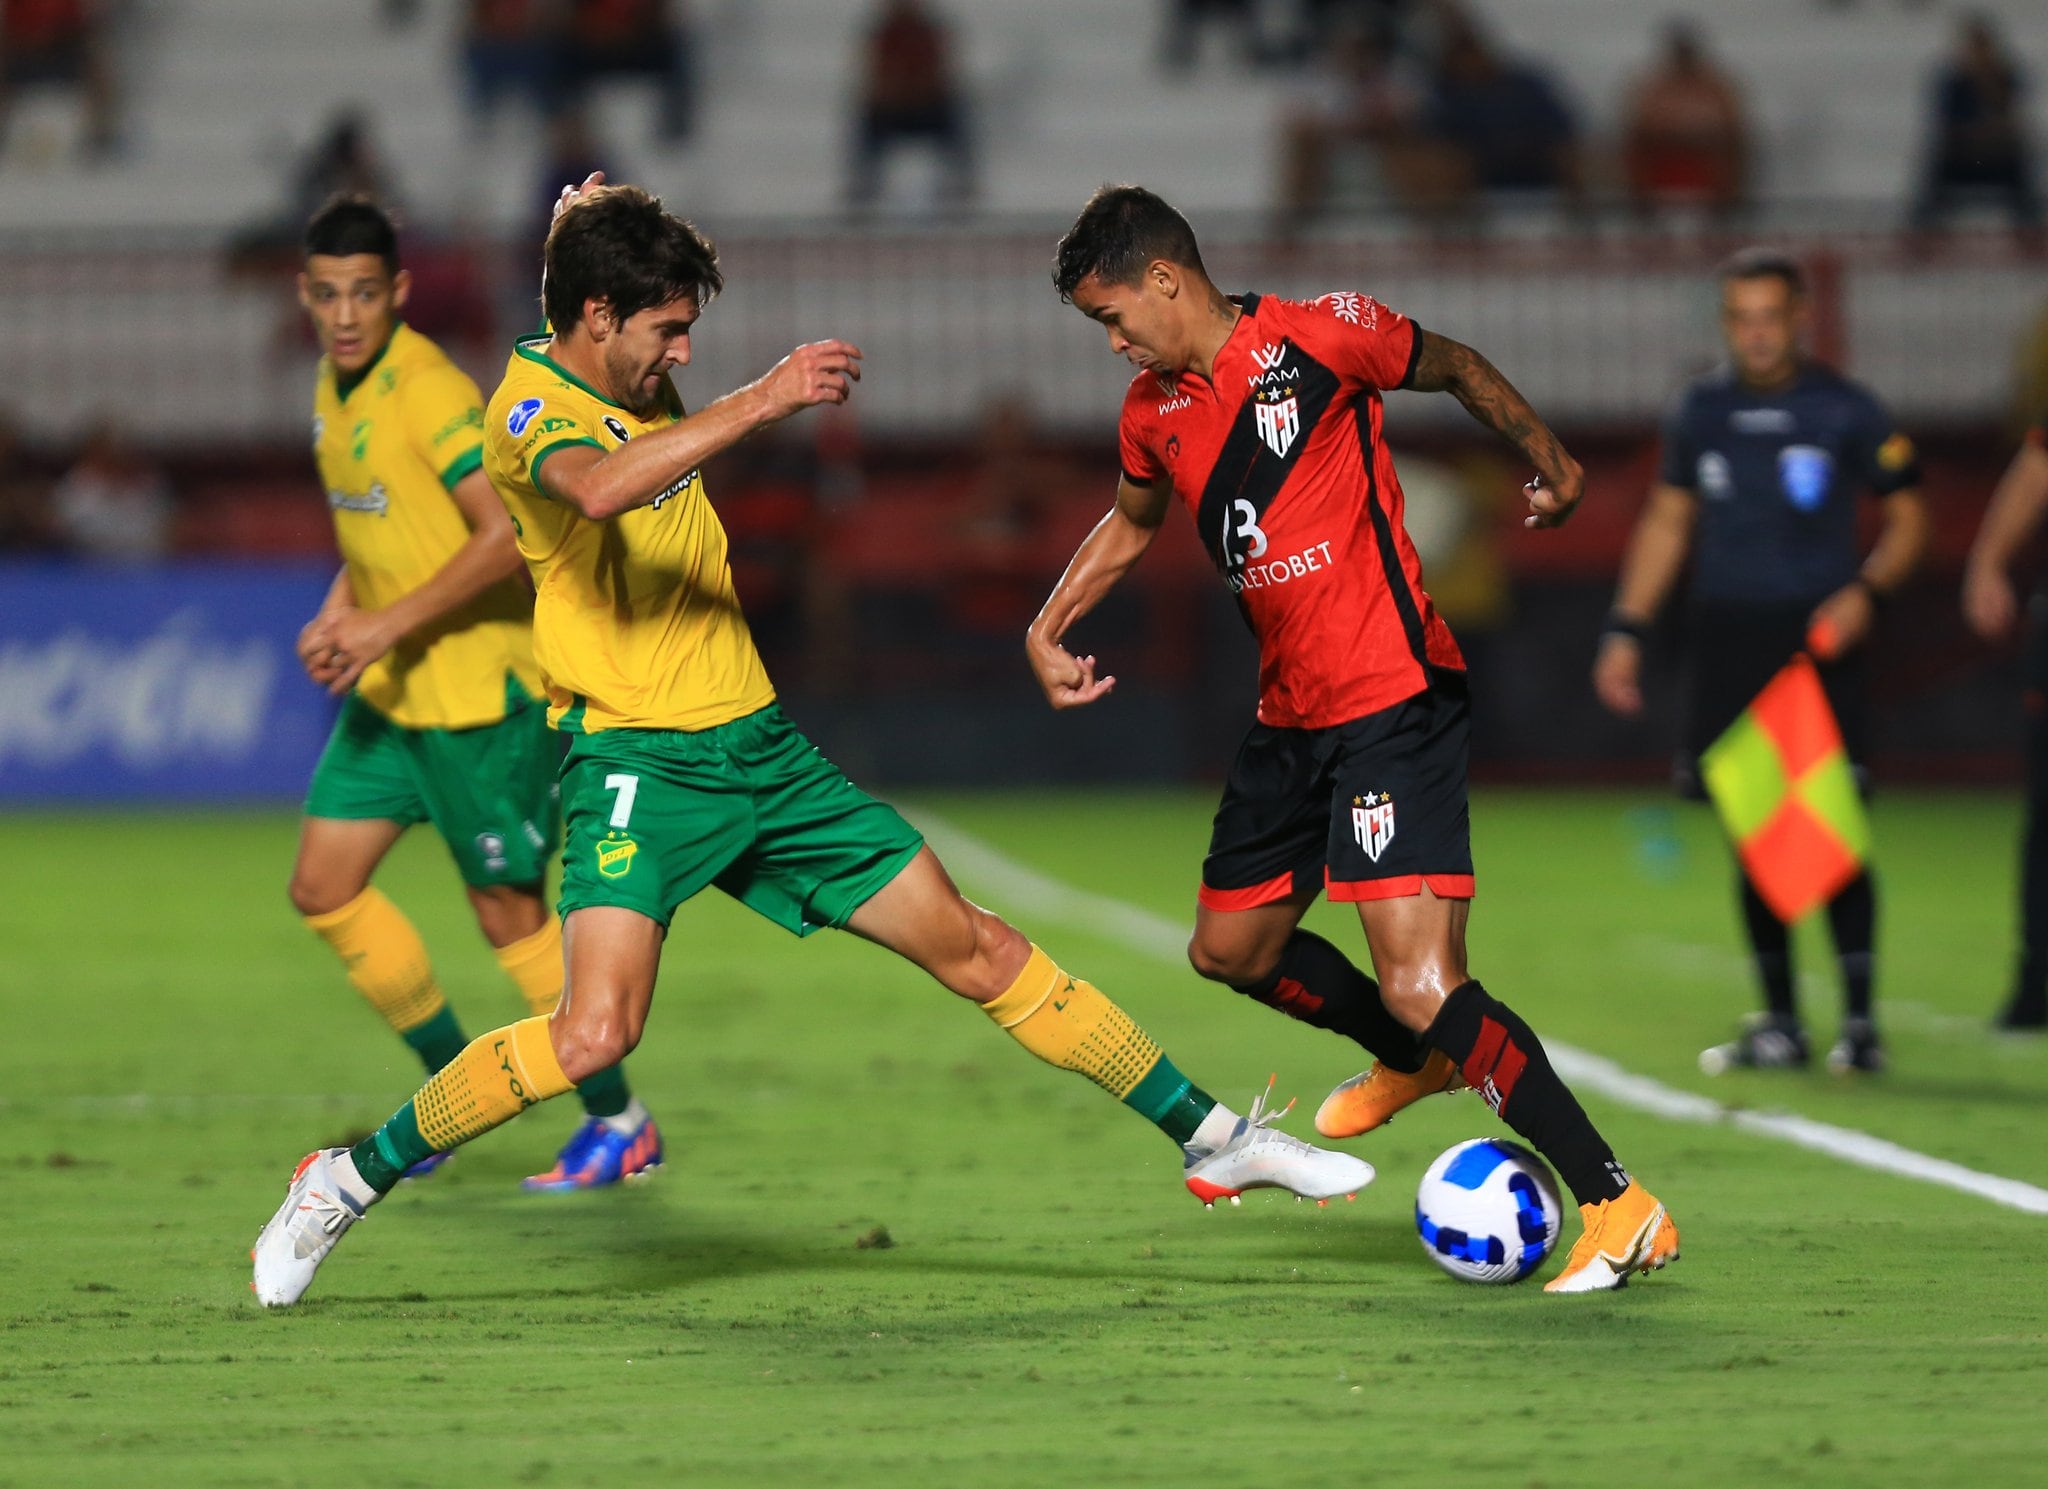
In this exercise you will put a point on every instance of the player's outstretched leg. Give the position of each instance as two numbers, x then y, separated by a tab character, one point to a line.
613	957
617	1139
1262	953
1418	943
1067	1022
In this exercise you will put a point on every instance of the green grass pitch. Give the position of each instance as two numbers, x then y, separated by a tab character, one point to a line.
1054	1308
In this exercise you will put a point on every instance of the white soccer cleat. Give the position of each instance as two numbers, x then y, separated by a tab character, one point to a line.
315	1214
1260	1156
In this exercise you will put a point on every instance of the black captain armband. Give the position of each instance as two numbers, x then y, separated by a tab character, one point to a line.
1618	624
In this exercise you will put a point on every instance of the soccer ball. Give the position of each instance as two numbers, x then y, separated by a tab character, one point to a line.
1487	1211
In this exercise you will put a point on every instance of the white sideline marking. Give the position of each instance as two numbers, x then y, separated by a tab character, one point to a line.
1166	940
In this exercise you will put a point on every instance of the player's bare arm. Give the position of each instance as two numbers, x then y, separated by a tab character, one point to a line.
1447	366
1990	603
601	485
489	554
1108	553
1649	571
1844	618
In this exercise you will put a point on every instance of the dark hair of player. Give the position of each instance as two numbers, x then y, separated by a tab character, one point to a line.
1119	232
1765	263
349	225
618	245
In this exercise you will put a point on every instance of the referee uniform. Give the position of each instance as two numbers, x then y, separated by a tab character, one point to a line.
1776	475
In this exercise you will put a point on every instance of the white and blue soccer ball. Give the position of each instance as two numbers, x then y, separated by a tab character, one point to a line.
1488	1211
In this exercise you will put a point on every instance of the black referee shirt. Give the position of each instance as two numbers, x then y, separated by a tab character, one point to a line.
1777	475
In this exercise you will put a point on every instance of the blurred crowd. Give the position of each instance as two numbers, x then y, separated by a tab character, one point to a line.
111	502
1416	105
1408	103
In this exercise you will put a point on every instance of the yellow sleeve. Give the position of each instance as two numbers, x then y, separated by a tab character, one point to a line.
444	419
536	428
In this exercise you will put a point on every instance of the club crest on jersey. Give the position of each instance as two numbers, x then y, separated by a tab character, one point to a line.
1372	822
1277	414
521	416
617	429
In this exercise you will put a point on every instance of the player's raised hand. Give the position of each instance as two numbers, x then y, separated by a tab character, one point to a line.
1069	681
817	372
572	194
1551	500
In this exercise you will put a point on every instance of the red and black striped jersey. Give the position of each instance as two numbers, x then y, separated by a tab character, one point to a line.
1280	458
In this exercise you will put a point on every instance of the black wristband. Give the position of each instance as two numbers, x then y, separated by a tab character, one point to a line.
1618	624
1871	592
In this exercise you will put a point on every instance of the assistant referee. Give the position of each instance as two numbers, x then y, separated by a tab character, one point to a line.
1763	464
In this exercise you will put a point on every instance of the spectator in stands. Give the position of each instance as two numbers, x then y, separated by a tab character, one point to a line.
1503	118
63	44
1978	146
1321	25
27	524
648	39
508	48
1684	142
113	503
909	94
343	161
1358	99
573	154
1180	42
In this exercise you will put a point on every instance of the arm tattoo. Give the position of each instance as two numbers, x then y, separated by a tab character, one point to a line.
1449	366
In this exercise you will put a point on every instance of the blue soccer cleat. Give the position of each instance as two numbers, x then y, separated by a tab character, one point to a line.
596	1155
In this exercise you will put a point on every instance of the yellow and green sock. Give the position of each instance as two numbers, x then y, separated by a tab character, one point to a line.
534	964
387	964
1069	1023
495	1077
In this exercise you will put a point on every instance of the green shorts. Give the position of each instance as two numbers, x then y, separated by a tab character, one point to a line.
651	816
490	791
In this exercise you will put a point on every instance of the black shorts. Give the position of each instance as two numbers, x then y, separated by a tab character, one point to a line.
1734	652
1369	810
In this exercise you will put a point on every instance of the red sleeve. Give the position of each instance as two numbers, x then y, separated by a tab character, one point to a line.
1134	432
1356	337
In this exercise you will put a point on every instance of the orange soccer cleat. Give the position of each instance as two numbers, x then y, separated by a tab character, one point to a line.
1366	1101
1624	1235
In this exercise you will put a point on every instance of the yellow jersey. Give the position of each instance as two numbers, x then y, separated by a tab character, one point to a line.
391	443
636	622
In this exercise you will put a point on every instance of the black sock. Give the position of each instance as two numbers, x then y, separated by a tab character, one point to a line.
1315	983
1770	943
1503	1061
2030	992
1852	918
